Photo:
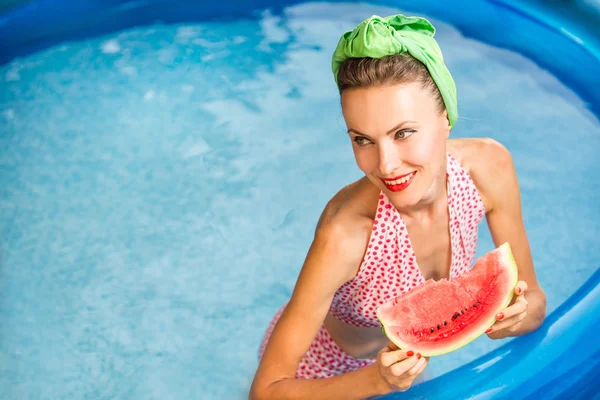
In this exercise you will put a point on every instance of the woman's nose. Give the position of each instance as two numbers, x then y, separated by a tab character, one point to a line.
389	160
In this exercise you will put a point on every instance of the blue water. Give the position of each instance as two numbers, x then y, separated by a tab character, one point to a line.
160	188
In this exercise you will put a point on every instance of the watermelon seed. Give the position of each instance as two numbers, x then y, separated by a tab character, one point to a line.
475	305
438	327
432	330
445	323
462	311
456	315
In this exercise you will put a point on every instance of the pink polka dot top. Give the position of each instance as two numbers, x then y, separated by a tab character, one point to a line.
389	267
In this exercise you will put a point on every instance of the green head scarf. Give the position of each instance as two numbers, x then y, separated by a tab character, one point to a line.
377	37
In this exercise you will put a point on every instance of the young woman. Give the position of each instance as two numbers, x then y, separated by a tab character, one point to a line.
413	216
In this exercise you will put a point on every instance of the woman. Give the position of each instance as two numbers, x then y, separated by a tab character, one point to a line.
414	216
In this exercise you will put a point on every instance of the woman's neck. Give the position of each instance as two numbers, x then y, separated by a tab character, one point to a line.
434	201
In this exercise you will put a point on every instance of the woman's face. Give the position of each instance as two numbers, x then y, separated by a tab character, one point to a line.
399	140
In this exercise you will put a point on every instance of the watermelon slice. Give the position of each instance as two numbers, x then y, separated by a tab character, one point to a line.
438	317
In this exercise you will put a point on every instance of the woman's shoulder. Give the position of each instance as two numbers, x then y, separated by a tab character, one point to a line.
354	202
347	219
488	162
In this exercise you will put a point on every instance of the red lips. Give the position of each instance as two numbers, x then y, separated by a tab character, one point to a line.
397	177
400	186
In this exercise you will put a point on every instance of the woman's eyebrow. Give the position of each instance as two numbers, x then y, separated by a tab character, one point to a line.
393	130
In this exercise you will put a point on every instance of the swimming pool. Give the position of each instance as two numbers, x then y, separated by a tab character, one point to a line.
163	169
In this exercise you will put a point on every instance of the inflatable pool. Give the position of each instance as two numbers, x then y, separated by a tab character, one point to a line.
139	198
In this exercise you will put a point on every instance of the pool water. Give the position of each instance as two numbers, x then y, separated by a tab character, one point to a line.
161	185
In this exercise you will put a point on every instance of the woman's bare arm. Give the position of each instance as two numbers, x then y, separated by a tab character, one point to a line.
494	174
332	260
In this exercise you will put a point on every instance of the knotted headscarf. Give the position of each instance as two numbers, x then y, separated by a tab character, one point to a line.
377	37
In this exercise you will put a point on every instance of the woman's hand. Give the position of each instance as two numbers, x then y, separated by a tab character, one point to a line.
508	321
399	368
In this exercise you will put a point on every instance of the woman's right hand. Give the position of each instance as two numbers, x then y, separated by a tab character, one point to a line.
399	368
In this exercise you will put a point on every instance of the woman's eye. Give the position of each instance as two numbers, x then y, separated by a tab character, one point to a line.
404	134
361	141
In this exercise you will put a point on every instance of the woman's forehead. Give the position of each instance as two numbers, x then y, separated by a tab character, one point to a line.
407	101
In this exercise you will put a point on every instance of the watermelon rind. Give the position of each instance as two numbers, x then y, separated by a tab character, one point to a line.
507	260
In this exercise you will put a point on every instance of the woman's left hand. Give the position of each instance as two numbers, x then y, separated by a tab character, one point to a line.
508	321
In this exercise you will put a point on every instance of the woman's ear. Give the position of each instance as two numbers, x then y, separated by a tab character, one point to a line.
447	128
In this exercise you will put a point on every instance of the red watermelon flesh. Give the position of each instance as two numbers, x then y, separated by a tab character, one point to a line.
441	316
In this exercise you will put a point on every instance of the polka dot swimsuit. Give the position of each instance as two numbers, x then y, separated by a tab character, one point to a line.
389	268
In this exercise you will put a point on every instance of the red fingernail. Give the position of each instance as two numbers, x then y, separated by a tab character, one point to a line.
518	290
489	330
418	356
500	316
410	353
